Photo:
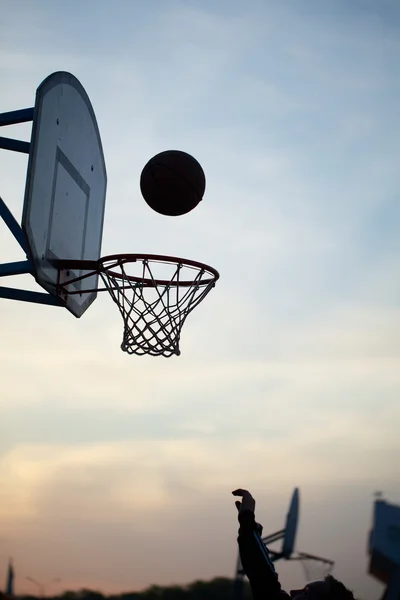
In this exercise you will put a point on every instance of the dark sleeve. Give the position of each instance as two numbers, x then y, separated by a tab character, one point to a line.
256	561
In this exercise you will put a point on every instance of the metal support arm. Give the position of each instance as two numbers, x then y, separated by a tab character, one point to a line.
28	296
273	537
13	117
14	145
20	267
12	225
16	268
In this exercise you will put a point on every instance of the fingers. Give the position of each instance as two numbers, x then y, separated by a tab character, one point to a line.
240	492
247	504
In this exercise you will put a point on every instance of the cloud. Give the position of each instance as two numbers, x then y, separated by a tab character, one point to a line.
131	499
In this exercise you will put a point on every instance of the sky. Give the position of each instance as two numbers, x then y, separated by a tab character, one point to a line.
116	471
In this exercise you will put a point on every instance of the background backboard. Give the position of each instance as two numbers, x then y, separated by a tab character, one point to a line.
384	541
66	185
291	525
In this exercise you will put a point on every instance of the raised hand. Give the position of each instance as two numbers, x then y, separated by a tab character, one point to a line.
247	503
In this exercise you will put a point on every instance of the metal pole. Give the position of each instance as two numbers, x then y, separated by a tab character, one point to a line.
28	296
16	268
14	145
12	224
16	116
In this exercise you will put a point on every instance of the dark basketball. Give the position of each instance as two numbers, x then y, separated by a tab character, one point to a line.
173	183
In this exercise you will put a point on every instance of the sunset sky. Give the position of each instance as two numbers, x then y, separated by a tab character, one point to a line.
116	471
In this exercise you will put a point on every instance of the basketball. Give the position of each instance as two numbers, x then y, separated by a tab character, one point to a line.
173	183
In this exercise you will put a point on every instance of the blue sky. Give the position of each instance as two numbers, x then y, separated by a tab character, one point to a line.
289	369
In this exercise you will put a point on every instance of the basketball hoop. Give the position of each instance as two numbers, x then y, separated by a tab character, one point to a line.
154	294
315	567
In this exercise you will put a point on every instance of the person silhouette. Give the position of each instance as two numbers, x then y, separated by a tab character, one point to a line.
260	570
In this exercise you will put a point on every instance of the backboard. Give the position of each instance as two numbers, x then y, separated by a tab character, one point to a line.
384	541
291	525
66	186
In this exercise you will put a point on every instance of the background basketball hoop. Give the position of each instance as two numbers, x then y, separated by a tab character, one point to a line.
315	567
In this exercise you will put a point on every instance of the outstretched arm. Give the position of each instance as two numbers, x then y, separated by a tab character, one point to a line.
254	555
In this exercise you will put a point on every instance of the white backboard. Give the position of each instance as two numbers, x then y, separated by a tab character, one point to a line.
66	185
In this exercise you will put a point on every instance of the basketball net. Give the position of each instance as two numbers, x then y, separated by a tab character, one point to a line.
154	294
153	309
314	567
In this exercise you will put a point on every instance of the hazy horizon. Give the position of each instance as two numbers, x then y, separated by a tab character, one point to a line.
116	472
